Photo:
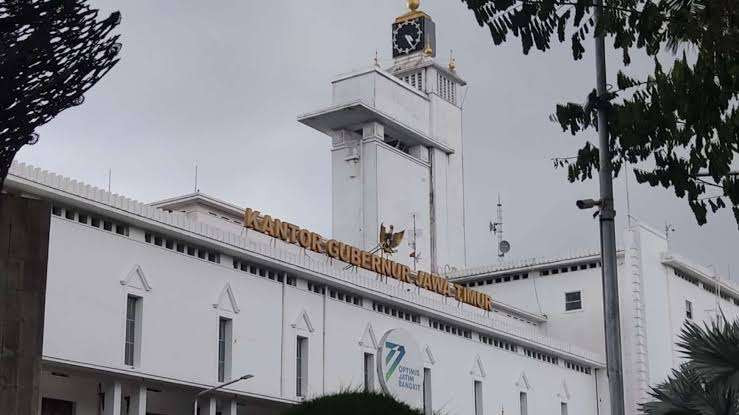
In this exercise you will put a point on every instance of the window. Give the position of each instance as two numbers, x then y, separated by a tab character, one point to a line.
369	372
224	349
478	397
56	407
133	329
688	310
427	403
573	301
523	403
563	408
301	366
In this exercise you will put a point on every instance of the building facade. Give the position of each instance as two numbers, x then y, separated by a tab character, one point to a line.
149	304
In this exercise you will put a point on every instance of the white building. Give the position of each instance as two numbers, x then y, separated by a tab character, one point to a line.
148	304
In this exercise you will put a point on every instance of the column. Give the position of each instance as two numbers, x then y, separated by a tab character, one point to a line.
138	401
24	227
113	399
233	407
212	403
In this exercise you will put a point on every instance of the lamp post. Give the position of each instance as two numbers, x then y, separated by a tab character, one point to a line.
215	388
611	312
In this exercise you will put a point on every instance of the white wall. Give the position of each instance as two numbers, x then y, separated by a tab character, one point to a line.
85	314
546	295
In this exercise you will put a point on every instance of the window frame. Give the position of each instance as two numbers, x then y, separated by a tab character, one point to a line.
569	303
132	330
301	366
427	390
369	372
225	336
477	393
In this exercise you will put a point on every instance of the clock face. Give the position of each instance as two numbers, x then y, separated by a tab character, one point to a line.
408	37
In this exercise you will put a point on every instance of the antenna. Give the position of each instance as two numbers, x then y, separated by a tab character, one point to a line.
668	228
415	254
497	229
196	178
110	177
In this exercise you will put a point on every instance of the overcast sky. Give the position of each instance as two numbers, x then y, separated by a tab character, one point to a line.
220	84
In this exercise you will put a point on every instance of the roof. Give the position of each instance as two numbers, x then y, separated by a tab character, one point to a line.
485	270
175	203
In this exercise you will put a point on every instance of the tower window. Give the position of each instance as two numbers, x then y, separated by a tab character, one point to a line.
688	310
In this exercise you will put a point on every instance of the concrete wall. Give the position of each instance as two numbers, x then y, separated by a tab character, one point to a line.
24	242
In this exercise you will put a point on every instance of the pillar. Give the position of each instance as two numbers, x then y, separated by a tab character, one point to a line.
24	248
138	401
113	399
233	407
212	404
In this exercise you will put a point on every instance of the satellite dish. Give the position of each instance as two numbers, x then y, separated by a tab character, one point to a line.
504	247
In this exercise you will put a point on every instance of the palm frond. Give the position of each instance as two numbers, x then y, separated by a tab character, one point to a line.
713	351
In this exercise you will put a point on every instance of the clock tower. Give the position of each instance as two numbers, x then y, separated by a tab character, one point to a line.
397	155
413	33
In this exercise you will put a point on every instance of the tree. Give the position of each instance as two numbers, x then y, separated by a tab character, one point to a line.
51	53
353	403
708	383
679	126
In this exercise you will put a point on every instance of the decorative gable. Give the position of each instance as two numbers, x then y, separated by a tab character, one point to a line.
227	300
302	322
369	340
523	382
136	279
564	392
428	357
478	370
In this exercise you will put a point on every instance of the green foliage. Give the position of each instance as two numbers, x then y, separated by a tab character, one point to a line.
353	403
679	126
708	383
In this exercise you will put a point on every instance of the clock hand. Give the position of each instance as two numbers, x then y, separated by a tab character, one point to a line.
409	39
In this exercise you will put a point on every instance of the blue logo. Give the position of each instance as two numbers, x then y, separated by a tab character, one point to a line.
398	349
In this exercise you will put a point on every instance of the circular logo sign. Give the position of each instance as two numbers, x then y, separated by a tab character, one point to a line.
400	367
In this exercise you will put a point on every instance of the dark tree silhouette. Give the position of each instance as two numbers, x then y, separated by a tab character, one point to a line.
51	53
679	127
353	403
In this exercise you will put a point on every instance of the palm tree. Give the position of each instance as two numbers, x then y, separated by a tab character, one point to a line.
708	382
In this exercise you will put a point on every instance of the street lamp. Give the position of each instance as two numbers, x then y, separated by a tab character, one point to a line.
215	388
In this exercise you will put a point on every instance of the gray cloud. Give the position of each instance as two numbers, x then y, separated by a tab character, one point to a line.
221	83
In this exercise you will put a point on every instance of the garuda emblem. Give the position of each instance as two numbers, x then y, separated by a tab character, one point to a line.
389	240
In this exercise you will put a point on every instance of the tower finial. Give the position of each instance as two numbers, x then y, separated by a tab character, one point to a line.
452	61
414	4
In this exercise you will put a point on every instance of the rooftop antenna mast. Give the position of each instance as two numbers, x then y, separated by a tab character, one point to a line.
496	228
414	245
668	229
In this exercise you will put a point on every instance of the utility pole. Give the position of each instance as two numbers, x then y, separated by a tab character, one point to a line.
608	232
